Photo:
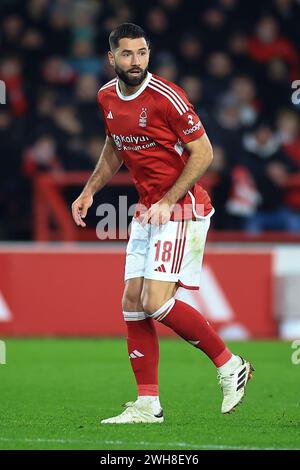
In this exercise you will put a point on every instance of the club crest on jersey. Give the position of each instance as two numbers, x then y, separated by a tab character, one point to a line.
143	118
118	142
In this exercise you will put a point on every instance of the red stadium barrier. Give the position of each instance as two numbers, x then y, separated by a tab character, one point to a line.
66	290
50	205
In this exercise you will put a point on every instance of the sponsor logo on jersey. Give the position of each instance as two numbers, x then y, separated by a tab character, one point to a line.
190	120
139	142
110	115
195	128
143	118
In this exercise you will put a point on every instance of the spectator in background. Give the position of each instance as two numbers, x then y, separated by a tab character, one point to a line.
288	123
40	119
86	89
11	74
233	10
177	14
83	58
190	54
12	28
58	31
216	77
287	13
169	71
267	44
220	172
67	130
226	127
244	91
171	6
157	23
109	16
237	46
82	24
193	88
213	26
243	198
269	168
33	52
36	13
275	86
166	66
58	74
41	156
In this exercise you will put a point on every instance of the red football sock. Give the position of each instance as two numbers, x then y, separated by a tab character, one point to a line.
143	350
193	327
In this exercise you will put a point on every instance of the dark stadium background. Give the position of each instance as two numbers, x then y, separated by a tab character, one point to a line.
236	61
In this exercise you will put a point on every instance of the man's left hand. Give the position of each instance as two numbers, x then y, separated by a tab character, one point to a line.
158	214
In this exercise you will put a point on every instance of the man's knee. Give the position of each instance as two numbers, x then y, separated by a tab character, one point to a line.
131	300
154	297
153	304
150	306
159	310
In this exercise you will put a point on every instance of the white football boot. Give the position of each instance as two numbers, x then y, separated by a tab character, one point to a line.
233	385
136	412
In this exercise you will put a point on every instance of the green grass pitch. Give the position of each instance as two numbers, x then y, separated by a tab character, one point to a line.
55	391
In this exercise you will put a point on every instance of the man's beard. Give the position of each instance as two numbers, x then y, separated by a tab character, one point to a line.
131	80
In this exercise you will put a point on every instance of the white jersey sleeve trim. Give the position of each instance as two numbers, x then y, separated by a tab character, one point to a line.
167	96
170	90
175	97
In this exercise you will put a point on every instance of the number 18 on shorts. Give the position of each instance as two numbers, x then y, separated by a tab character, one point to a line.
171	252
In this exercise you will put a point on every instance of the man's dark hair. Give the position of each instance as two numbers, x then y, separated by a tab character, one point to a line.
126	30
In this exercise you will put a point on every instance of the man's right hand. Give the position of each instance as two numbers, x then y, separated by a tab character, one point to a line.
80	207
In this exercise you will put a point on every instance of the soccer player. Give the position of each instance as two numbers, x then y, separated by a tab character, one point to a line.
152	127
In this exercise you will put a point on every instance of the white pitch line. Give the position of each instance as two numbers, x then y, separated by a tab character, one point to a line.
142	443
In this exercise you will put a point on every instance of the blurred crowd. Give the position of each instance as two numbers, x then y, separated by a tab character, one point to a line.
236	60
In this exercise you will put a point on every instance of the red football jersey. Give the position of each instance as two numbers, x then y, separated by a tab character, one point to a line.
149	129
